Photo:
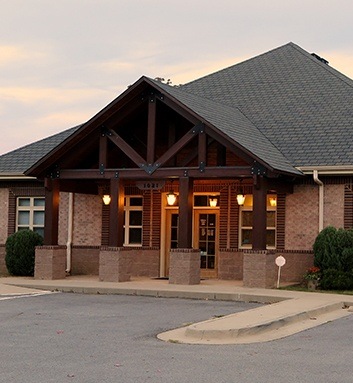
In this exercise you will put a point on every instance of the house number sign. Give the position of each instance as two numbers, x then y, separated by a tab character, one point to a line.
154	185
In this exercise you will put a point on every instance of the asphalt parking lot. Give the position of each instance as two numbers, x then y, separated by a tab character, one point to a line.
60	337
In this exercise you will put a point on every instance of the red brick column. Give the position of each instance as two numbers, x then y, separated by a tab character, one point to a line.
184	267
114	264
50	262
259	269
230	264
3	268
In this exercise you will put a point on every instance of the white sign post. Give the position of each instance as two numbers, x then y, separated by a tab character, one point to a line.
280	261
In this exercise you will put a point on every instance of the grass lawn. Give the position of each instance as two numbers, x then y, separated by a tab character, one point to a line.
304	288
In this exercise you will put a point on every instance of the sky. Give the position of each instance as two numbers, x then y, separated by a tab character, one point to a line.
62	61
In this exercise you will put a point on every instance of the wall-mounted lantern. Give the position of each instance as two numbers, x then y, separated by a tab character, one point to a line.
171	198
273	201
106	199
240	199
213	201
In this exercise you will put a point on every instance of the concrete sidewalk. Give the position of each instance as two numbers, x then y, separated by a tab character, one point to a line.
289	312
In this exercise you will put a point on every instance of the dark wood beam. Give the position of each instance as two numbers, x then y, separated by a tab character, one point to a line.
259	213
171	152
162	173
116	214
185	212
202	152
151	129
103	152
51	218
126	148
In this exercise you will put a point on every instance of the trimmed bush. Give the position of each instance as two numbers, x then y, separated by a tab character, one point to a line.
333	249
333	254
325	249
20	252
336	280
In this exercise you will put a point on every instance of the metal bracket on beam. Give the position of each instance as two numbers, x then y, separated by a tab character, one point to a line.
104	131
116	175
202	166
148	168
198	128
55	173
101	169
258	169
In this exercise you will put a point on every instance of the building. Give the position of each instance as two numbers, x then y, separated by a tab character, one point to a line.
257	159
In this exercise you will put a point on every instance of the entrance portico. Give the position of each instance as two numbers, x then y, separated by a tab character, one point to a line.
150	135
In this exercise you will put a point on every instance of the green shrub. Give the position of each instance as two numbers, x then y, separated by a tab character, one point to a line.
325	249
20	252
333	249
336	280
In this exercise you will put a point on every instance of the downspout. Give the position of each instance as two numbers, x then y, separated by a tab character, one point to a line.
70	220
321	199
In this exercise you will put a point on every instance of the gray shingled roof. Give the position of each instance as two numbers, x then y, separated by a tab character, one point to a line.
19	160
235	125
285	106
303	106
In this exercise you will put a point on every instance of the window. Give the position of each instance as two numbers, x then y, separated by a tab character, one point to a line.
133	221
206	200
30	214
246	223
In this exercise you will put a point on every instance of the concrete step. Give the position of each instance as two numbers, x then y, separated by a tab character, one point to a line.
260	324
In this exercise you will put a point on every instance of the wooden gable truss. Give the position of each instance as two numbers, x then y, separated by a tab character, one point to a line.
145	135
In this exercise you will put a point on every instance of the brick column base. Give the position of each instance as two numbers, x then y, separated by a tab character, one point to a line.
3	268
259	269
50	262
184	268
115	264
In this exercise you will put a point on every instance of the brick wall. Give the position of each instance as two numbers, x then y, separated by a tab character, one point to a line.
334	205
259	269
4	209
302	217
302	214
145	262
3	269
230	264
297	263
85	260
87	225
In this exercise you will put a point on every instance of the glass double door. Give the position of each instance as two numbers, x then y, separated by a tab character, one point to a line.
205	238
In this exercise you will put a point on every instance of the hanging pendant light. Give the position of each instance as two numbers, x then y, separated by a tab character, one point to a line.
106	199
171	198
273	201
213	201
240	195
240	199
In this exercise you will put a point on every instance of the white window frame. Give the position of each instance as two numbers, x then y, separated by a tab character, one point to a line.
31	208
241	227
127	209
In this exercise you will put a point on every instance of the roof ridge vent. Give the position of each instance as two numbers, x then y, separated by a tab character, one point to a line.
320	58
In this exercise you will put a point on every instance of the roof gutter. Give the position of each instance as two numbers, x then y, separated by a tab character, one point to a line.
15	176
321	198
70	220
327	170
